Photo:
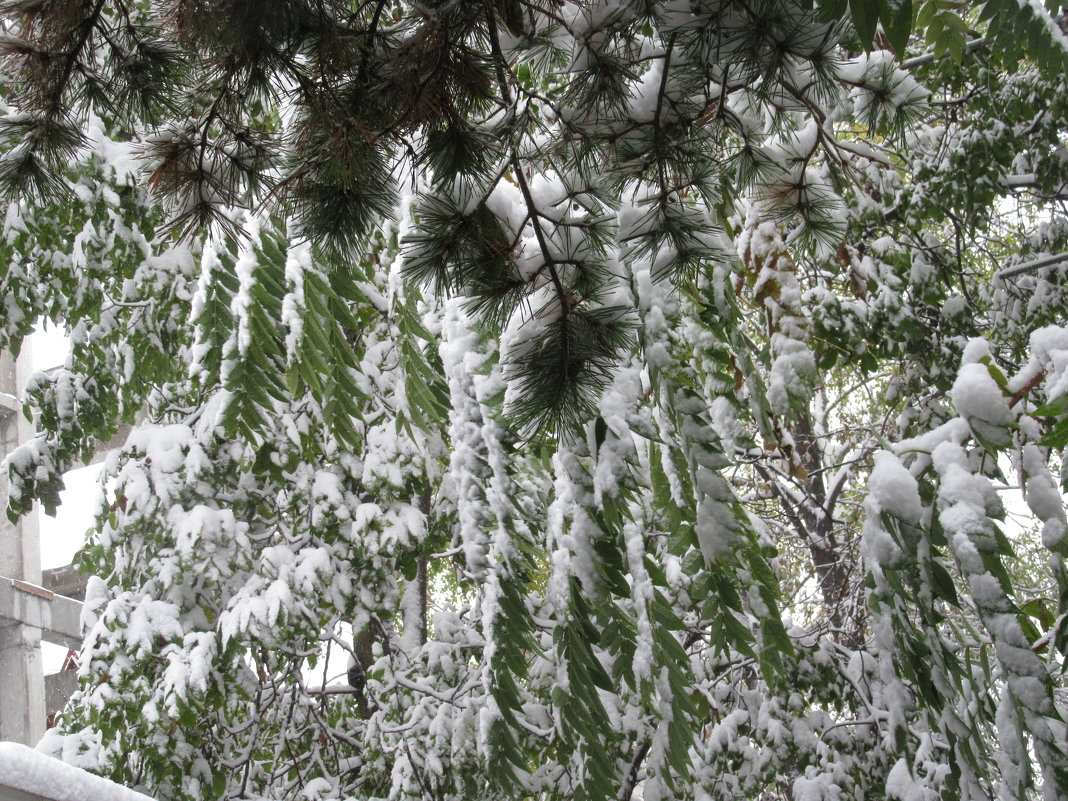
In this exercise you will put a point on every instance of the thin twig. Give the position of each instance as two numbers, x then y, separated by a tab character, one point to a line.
1031	266
927	58
627	790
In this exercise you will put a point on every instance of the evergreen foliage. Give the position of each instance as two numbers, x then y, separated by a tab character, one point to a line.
546	399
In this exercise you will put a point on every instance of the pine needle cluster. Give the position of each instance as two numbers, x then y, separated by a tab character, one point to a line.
631	130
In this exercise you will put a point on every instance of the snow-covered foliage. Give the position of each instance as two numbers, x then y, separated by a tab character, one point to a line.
600	400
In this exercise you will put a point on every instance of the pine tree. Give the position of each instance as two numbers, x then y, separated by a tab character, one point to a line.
553	399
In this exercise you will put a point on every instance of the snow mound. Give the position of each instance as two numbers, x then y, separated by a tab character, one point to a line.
22	768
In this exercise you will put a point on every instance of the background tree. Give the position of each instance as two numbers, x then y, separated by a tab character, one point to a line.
523	353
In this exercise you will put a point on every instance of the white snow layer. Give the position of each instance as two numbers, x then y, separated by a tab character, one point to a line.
893	488
24	769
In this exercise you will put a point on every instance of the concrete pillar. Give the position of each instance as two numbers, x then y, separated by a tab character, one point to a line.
22	688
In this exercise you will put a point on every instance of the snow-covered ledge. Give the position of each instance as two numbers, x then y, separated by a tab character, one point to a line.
26	775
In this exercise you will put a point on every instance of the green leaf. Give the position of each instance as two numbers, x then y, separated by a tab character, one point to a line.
865	14
898	25
1054	408
943	584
